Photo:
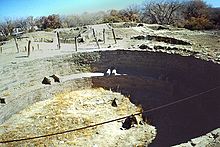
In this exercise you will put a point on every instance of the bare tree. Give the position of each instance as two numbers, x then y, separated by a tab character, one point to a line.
195	8
52	21
132	13
162	12
8	26
3	29
215	17
21	23
197	15
113	16
30	23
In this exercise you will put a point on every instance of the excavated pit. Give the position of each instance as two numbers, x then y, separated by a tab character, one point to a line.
152	79
168	40
155	79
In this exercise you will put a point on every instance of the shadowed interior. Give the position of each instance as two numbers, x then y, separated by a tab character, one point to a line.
155	79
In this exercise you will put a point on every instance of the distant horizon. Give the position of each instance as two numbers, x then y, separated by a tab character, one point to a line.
15	9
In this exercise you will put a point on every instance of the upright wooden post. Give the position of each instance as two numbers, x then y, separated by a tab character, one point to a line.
95	38
29	48
38	48
58	39
113	32
16	44
1	49
76	44
104	36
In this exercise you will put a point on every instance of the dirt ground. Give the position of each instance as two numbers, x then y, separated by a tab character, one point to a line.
74	110
201	44
205	44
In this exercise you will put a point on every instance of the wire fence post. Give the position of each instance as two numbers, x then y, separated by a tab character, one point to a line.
93	30
58	39
16	44
76	47
113	32
104	36
29	48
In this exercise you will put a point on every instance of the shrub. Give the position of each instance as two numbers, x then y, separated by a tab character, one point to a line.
198	23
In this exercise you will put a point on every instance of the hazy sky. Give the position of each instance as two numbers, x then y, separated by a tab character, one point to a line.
22	8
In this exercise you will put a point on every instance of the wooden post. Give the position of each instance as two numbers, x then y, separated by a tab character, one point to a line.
95	38
32	48
104	36
113	32
1	49
76	44
29	48
38	48
16	44
25	48
58	39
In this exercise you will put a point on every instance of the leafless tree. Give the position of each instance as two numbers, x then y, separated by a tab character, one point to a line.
195	8
113	16
21	23
197	15
162	12
3	29
83	19
52	21
7	26
215	17
132	13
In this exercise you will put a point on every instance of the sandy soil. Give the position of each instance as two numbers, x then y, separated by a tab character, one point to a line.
74	110
205	44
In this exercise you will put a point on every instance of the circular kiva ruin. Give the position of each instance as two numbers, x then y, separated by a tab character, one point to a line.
159	95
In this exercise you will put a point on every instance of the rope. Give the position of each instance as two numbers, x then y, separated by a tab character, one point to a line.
113	120
181	100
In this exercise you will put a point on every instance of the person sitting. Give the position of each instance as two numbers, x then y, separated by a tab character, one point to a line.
114	72
108	72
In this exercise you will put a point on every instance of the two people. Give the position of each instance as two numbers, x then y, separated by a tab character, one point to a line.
110	71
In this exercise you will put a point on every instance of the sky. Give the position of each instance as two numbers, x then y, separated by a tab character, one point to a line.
22	8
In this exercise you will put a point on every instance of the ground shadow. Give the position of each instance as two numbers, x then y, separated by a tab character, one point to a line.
177	123
21	57
183	121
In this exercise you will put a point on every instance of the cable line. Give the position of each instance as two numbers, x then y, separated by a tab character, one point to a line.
113	120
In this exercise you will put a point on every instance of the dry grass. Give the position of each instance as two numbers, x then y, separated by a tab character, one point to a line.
66	111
